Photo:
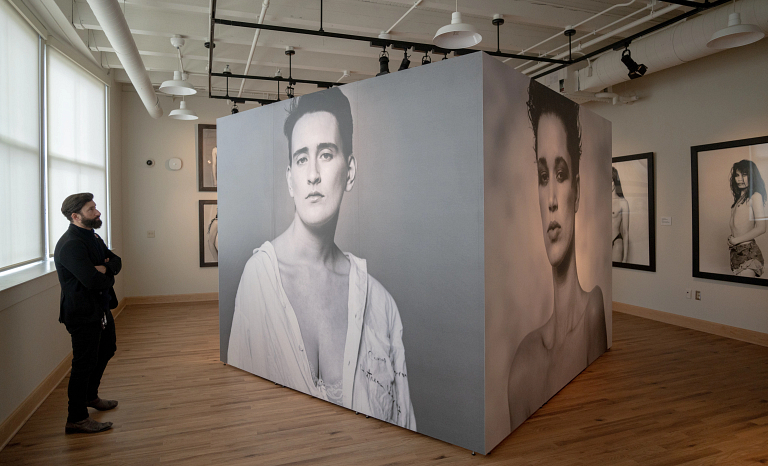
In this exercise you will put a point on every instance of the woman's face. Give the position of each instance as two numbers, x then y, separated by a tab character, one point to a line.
742	180
558	189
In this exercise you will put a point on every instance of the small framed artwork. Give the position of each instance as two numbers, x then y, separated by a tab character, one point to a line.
633	212
730	217
206	158
209	233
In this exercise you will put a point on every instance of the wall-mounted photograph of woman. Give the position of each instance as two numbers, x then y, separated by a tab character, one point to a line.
730	210
575	334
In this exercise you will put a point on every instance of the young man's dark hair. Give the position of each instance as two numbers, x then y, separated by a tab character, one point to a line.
74	203
332	101
543	101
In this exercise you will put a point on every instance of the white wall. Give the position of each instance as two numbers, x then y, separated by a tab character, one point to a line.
157	198
718	98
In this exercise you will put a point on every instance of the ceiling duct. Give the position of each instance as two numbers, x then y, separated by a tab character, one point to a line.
113	23
681	43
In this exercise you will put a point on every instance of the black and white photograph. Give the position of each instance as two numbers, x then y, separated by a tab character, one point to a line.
547	223
321	296
207	171
209	233
633	214
729	210
389	255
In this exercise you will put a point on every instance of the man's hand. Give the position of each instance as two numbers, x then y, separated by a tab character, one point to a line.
101	268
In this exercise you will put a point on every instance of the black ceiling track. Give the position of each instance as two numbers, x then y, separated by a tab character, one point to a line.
698	7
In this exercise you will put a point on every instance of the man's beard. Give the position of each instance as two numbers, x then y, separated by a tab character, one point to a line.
94	223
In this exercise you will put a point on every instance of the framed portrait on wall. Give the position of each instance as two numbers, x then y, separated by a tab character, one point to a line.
730	216
633	212
209	233
206	158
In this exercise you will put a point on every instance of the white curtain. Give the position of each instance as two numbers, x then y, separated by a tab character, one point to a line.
21	229
77	140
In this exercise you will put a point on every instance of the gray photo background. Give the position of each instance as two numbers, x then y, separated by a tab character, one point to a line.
518	285
715	199
415	214
634	183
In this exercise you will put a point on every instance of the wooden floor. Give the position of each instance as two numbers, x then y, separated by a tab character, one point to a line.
663	395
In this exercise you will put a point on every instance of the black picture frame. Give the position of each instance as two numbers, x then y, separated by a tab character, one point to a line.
206	180
650	202
206	218
700	160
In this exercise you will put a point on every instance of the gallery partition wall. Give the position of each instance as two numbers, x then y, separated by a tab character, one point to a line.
53	141
407	246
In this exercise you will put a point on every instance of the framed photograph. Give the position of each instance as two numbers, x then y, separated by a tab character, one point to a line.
633	212
209	234
206	158
730	216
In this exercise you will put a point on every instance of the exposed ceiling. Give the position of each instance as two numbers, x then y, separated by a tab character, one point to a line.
528	24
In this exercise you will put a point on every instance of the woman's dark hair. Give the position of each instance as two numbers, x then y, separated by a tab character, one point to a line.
332	101
544	101
74	203
617	182
754	185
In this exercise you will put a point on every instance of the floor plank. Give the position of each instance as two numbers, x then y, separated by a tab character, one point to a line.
663	395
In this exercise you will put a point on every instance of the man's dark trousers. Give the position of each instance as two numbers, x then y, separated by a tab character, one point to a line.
92	348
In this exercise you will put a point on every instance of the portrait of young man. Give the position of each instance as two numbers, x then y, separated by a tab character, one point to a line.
308	315
86	270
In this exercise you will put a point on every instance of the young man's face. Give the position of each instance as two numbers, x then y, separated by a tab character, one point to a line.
319	173
558	188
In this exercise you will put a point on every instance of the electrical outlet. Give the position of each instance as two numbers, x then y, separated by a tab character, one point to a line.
698	295
150	233
688	293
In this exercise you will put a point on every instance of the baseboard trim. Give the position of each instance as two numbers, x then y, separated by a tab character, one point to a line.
27	408
749	336
172	298
11	426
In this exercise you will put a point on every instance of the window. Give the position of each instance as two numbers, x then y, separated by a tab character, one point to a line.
21	228
77	144
74	139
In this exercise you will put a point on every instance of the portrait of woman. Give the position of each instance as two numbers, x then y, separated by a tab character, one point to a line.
747	219
619	220
575	333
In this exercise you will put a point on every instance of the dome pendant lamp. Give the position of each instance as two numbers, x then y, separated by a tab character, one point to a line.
735	35
179	84
183	113
456	35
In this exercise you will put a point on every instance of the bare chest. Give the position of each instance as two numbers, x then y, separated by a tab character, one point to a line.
319	299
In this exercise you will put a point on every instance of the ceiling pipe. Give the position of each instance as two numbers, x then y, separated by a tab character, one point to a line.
415	4
264	6
113	23
559	34
608	35
674	46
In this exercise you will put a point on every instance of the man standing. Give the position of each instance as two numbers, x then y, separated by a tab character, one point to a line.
86	270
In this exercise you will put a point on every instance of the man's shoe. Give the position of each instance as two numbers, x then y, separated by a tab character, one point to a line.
86	426
102	405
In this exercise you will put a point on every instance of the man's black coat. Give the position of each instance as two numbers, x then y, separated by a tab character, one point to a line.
86	293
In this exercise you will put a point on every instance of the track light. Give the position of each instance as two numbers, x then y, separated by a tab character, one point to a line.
426	59
383	63
635	70
405	63
234	108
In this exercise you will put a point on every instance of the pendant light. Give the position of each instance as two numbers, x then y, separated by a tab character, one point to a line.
456	35
183	113
735	35
178	85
